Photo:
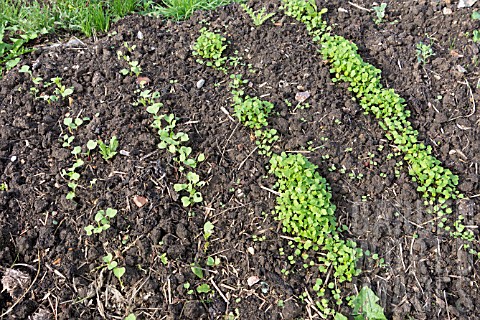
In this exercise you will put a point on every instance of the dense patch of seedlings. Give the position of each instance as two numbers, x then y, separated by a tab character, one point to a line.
306	213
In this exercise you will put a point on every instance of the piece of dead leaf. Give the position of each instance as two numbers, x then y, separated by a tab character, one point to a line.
455	54
302	96
15	282
461	69
140	201
41	314
143	80
252	280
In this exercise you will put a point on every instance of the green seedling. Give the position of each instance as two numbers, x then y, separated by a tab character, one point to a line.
265	140
213	262
34	91
203	288
164	259
131	316
48	98
256	238
424	52
108	151
130	48
154	108
91	145
3	186
476	15
379	12
61	90
73	124
102	218
208	230
235	60
134	69
365	306
67	140
146	98
169	139
73	178
76	151
35	80
210	46
196	270
252	112
476	36
193	182
186	286
258	17
112	265
183	157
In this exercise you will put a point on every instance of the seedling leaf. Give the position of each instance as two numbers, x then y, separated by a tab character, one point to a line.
131	316
112	265
208	228
89	229
119	272
107	258
204	288
91	144
365	306
197	271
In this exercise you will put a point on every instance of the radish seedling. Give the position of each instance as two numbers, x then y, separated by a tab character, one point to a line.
102	218
108	151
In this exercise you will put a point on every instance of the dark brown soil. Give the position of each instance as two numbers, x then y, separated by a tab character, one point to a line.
427	274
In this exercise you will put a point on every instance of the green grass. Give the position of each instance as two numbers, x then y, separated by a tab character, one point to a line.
182	9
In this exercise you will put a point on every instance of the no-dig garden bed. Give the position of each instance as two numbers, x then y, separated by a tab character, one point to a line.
224	255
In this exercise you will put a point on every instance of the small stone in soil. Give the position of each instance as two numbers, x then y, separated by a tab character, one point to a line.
466	3
200	83
252	280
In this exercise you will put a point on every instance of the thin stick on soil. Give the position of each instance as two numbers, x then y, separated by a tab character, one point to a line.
473	102
358	6
227	113
245	160
26	291
312	305
169	291
270	190
446	304
219	292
